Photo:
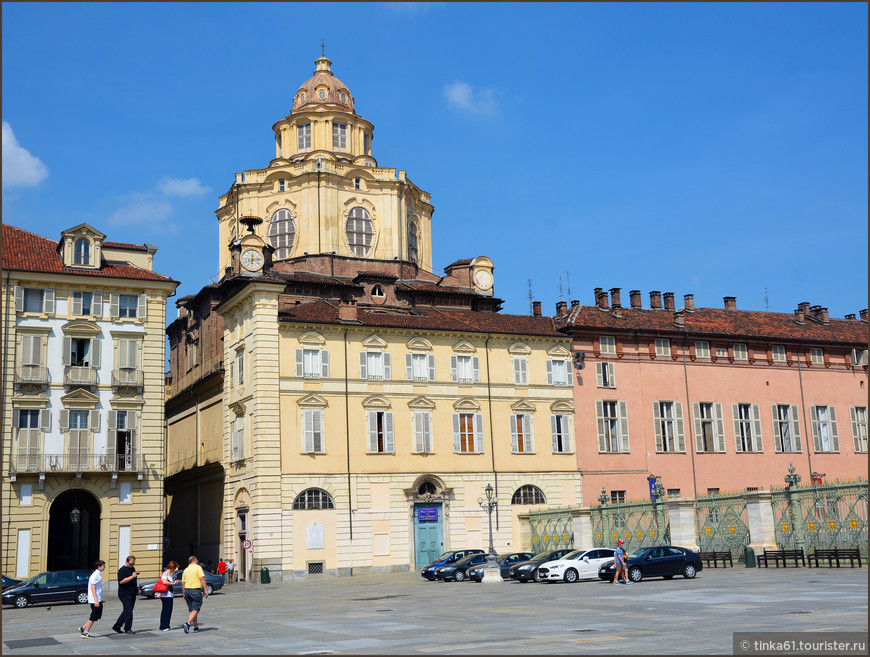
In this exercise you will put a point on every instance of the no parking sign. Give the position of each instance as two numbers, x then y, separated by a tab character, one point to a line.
246	544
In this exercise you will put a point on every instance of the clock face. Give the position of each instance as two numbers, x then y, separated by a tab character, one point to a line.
252	259
483	279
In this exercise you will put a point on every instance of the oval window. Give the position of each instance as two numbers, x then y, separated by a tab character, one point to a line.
282	233
359	232
322	94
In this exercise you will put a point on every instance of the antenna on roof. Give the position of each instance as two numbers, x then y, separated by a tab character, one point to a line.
568	281
561	293
531	307
766	300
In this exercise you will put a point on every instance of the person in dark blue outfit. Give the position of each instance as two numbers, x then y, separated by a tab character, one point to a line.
127	589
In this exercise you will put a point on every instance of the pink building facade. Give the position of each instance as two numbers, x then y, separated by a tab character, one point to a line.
713	400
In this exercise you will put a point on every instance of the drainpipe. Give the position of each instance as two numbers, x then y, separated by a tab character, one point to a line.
347	437
491	434
808	430
8	532
689	414
401	207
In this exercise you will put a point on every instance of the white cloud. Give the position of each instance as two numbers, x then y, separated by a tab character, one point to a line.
20	168
182	187
462	96
142	211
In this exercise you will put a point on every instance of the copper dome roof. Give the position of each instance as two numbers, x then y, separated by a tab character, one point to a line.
323	88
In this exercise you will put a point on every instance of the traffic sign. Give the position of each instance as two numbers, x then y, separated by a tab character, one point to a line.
246	545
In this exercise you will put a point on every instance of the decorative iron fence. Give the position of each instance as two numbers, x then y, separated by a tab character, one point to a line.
551	529
722	523
636	523
824	516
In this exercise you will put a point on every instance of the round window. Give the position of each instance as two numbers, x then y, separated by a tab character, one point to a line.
359	232
322	94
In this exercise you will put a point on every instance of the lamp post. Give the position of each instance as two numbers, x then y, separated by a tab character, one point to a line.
75	516
491	572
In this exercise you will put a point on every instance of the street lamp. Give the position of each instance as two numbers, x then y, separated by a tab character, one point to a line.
491	572
603	497
75	515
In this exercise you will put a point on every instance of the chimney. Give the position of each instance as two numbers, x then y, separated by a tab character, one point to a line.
615	301
561	308
799	314
669	301
680	319
601	298
347	311
850	316
655	300
863	315
536	308
634	295
730	303
575	303
823	316
689	302
804	306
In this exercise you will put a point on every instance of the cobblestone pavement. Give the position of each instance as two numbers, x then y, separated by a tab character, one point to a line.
400	613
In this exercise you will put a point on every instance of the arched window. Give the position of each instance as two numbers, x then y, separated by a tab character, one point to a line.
82	252
412	242
282	232
528	494
359	232
378	291
427	488
312	499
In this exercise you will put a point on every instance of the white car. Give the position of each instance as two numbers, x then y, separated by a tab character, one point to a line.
576	565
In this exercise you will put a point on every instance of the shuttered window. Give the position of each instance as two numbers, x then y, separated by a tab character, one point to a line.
312	431
557	373
282	233
668	425
374	366
380	424
608	345
521	370
747	427
741	352
312	363
778	353
663	347
604	375
560	431
786	428
612	420
86	303
34	300
303	136
709	427
28	424
467	433
237	438
702	350
465	369
521	434
817	356
858	415
824	421
422	425
420	367
339	135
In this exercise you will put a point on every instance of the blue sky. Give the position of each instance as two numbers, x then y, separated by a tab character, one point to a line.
713	149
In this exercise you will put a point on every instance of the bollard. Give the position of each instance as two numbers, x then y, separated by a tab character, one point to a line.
749	555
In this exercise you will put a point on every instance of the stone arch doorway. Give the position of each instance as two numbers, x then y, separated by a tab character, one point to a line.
73	531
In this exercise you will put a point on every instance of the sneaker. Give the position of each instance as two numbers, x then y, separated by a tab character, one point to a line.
617	583
82	630
186	627
85	635
166	629
129	632
196	629
117	629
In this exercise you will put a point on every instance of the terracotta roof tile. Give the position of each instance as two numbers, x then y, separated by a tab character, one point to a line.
122	245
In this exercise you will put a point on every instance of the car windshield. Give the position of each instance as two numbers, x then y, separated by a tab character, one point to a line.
572	555
637	553
42	578
541	556
443	557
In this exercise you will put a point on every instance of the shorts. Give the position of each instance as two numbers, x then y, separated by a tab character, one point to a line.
193	598
96	612
619	567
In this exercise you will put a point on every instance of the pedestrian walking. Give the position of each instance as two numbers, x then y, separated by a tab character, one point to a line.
127	589
222	570
619	563
231	571
193	588
166	596
209	566
95	599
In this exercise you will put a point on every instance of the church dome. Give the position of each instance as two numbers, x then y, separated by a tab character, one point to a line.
323	88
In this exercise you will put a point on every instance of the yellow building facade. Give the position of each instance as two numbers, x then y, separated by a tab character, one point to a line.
83	402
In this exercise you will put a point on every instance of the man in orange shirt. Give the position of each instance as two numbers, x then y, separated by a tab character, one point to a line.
222	569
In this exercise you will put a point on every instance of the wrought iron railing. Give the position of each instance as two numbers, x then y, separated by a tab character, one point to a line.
80	375
551	529
722	523
31	374
75	462
636	523
127	377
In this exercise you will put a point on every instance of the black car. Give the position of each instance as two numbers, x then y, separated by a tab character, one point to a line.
504	564
55	586
8	581
527	570
458	571
657	561
448	557
212	583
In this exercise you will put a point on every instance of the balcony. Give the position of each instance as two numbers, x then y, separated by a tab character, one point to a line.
31	374
127	377
75	375
75	462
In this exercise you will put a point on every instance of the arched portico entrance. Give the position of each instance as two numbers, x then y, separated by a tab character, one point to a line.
73	531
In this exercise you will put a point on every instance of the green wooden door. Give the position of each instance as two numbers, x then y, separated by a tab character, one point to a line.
428	533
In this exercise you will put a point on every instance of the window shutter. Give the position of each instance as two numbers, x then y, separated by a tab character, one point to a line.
95	352
514	438
657	426
373	430
97	304
64	419
835	439
853	416
77	303
777	433
123	354
114	302
456	443
699	438
142	307
453	373
75	444
362	365
757	443
599	374
611	379
549	372
738	446
44	420
16	417
623	426
554	433
67	350
299	371
409	367
417	428
814	418
317	431
389	442
133	354
112	421
307	431
431	367
599	414
719	424
94	420
795	427
132	420
527	433
475	364
48	301
517	376
36	354
27	349
478	433
324	363
387	366
19	299
681	435
427	432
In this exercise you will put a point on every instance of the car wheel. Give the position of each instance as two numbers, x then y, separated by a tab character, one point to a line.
82	597
689	571
636	574
538	577
570	575
209	589
458	576
668	576
431	579
20	601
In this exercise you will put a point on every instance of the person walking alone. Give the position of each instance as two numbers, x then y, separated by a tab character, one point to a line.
95	599
222	570
194	590
231	571
166	597
619	563
127	589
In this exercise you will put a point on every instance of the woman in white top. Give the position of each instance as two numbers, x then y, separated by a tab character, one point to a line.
166	596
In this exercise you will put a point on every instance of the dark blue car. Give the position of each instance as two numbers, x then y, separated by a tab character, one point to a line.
657	561
504	564
448	557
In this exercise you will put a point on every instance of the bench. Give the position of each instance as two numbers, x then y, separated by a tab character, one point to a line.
782	555
724	557
835	555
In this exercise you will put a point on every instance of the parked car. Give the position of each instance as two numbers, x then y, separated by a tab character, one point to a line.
657	561
458	570
448	557
212	583
54	586
8	581
576	565
527	570
504	564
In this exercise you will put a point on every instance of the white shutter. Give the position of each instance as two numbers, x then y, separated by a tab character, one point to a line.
417	428
514	437
478	433
44	420
815	424
48	301
373	431
554	433
795	427
409	367
475	364
94	420
599	374
527	433
133	354
112	421
76	303
681	435
95	349
517	374
299	369
757	443
64	419
389	442
427	432
142	307
97	304
599	414
27	349
719	425
735	416
853	416
114	303
67	350
19	299
456	441
363	356
324	364
657	426
307	431
549	372
387	366
317	431
132	420
699	437
611	379
835	439
431	367
16	416
623	426
777	433
453	373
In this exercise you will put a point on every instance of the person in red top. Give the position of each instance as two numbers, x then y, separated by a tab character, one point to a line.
222	569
